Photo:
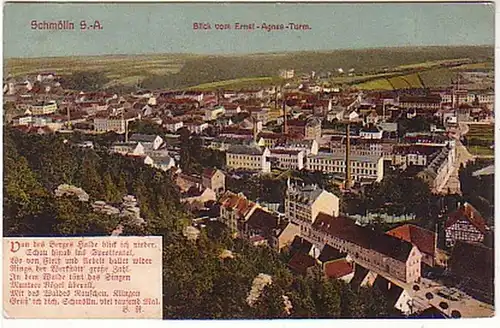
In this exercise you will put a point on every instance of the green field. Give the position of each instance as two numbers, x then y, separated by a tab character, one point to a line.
435	77
187	70
480	138
482	131
481	150
242	83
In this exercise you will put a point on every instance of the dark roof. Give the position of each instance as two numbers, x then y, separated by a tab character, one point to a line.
300	245
247	150
262	220
300	262
469	213
143	137
209	172
193	192
345	228
417	99
329	253
422	238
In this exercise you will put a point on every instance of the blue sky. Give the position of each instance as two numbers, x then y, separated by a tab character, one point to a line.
132	28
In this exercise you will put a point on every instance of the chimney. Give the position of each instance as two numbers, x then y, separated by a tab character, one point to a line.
285	127
347	158
254	125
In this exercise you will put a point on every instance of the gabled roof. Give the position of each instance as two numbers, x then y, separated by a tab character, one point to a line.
238	203
345	228
469	213
422	238
338	269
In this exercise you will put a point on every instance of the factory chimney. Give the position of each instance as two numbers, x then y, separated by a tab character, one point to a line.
347	183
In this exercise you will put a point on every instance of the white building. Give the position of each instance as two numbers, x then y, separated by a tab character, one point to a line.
362	167
43	108
287	159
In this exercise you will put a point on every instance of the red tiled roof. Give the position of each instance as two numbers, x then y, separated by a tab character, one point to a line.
236	202
338	268
422	238
468	212
300	262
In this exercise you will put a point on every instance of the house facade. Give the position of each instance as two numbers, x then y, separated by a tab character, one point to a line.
362	167
214	179
465	224
248	158
286	159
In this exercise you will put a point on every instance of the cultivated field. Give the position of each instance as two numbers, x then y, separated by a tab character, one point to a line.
398	65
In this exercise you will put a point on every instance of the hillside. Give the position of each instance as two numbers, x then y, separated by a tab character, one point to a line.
196	280
183	70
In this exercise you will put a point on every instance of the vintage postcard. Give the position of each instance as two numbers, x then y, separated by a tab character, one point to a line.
248	160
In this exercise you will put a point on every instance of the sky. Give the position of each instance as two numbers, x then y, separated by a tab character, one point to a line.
133	28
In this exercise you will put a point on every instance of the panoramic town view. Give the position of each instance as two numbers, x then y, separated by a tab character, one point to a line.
344	182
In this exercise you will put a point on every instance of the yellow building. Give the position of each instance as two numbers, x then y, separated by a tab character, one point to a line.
44	108
248	158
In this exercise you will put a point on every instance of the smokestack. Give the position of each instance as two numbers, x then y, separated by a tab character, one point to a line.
285	127
347	157
254	123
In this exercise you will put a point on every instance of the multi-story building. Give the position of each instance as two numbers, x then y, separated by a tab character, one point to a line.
304	203
307	146
287	159
425	240
362	167
430	102
248	158
363	147
235	209
172	125
413	155
376	251
43	108
310	129
116	123
440	164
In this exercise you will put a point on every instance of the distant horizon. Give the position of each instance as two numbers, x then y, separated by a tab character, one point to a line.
159	28
254	53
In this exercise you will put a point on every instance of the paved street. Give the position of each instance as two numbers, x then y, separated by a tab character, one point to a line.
452	183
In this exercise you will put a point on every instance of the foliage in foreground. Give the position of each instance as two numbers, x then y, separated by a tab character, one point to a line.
197	283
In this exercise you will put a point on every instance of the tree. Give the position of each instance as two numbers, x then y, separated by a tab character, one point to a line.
86	80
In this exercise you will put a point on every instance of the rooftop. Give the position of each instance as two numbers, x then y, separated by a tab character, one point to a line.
424	239
345	228
468	212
